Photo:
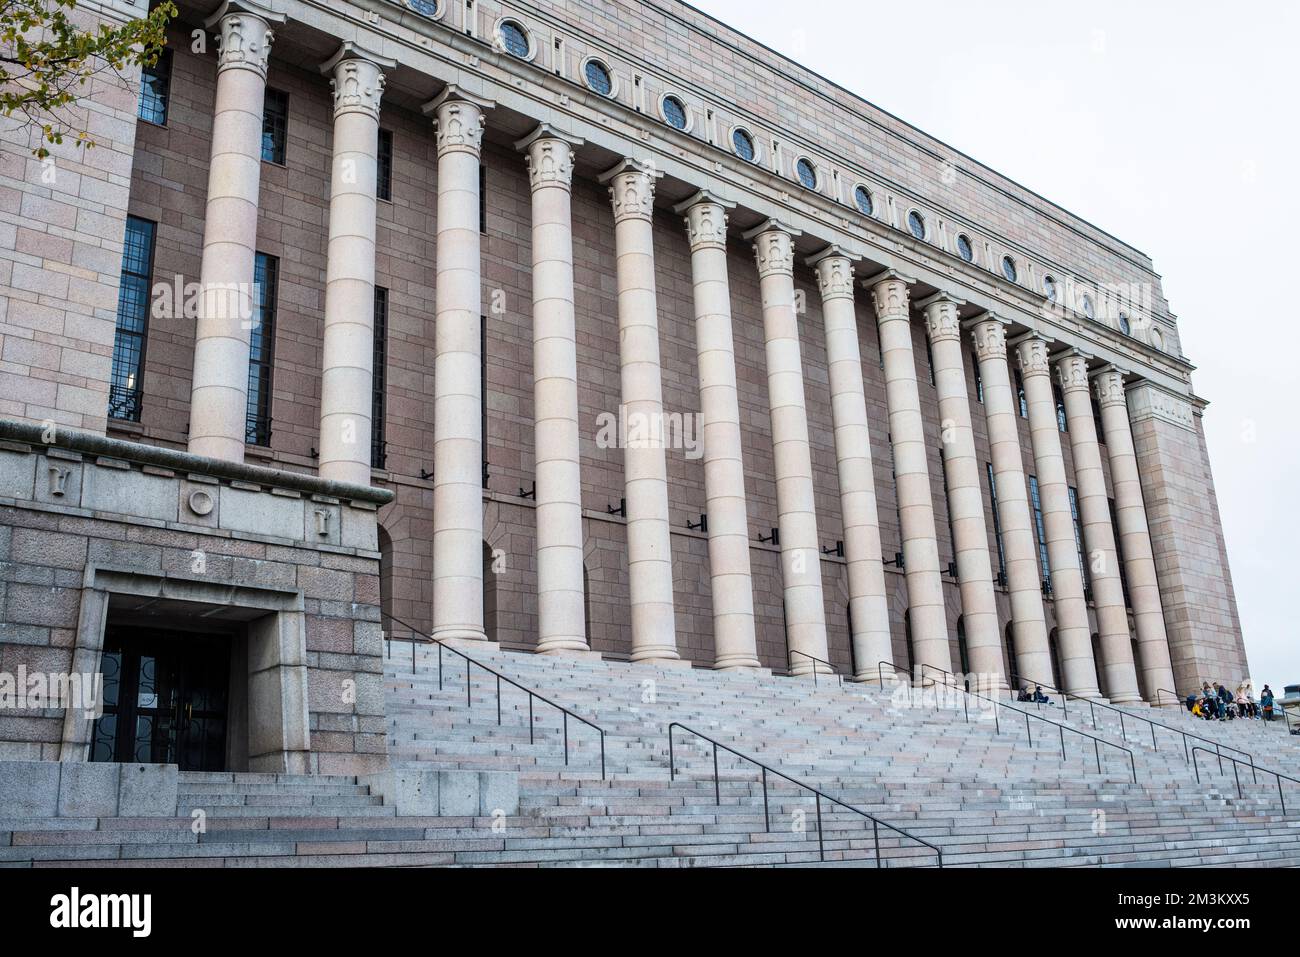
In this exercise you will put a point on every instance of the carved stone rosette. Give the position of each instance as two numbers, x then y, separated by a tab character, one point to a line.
358	86
706	226
550	163
835	277
990	338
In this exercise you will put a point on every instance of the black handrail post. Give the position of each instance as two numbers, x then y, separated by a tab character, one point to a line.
566	737
602	753
821	843
530	718
1132	764
1062	742
498	700
1154	746
1237	776
439	664
717	788
875	835
413	654
1196	766
469	702
1096	752
1280	796
767	820
1028	734
965	703
672	767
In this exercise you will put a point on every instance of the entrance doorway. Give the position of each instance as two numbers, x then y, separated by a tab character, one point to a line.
166	699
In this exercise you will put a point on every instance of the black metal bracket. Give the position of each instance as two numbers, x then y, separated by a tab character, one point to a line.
486	473
951	571
701	526
772	539
897	561
314	452
837	551
530	492
426	474
620	509
1002	579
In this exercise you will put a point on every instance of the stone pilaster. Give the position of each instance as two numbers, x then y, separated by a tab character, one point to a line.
1073	634
731	586
868	606
965	498
889	294
805	613
561	605
347	348
457	425
1032	661
649	546
219	389
1098	536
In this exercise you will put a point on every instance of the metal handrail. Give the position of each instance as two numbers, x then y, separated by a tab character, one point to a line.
1276	774
1094	705
471	663
876	823
1096	741
816	661
1180	700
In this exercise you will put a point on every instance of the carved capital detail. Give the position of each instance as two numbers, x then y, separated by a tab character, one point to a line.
942	322
358	86
706	226
835	277
774	251
1072	371
1032	355
890	297
990	339
632	193
1109	386
550	163
244	43
459	127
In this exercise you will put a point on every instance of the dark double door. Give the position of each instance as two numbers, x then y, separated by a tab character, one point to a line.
166	699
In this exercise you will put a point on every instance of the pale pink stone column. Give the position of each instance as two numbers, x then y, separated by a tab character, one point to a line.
219	388
868	607
1074	636
348	339
1098	536
1134	535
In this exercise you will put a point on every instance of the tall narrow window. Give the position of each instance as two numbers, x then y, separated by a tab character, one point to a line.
979	379
275	126
1062	421
929	358
155	90
483	393
947	502
384	166
482	199
1078	542
132	320
266	273
378	380
1096	421
1020	393
1119	555
997	524
1045	566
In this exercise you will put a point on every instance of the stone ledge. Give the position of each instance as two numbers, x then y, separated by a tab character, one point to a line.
88	789
430	792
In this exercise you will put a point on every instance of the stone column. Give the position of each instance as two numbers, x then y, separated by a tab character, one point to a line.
731	587
965	497
1074	637
801	573
911	472
219	388
346	393
561	606
649	545
1098	537
1134	537
1033	657
457	423
869	609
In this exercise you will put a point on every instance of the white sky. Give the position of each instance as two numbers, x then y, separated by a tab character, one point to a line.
1171	124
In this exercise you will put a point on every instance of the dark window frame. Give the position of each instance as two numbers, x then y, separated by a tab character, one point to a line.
379	381
131	401
997	521
275	124
1044	559
384	166
161	73
1020	393
261	363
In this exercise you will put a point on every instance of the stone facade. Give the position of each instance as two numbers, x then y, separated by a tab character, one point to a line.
437	71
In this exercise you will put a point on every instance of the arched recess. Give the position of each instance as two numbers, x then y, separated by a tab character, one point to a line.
489	594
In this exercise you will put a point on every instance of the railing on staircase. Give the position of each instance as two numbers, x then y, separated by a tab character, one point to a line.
471	663
1097	742
1065	697
816	661
876	823
1253	769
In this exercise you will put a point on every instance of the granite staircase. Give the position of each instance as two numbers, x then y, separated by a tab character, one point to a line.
938	767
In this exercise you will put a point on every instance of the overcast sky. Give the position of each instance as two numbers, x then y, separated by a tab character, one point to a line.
1171	125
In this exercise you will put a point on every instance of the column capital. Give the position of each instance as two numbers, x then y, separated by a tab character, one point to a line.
459	120
357	79
706	220
834	273
1072	369
632	188
989	334
550	163
245	35
1031	353
773	247
889	294
942	320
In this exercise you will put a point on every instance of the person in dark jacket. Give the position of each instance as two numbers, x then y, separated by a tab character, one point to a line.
1266	702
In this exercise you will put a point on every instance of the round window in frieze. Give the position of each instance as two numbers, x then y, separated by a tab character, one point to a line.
598	77
965	249
1124	325
514	39
1049	288
1009	269
743	144
862	196
673	110
1157	339
426	8
1089	309
806	172
201	502
916	223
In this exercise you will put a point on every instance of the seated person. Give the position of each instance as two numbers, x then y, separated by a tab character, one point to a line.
1039	697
